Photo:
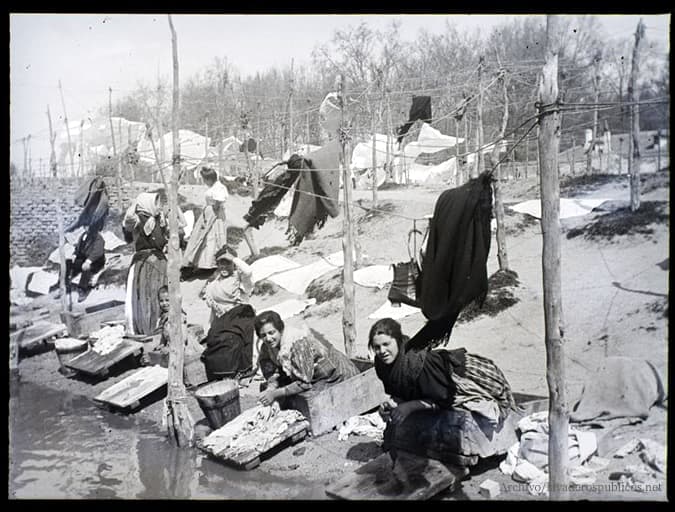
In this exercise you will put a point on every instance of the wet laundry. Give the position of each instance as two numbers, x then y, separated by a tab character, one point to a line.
454	268
420	109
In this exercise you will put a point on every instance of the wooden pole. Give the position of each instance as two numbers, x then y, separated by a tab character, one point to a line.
80	167
374	158
25	157
502	255
596	89
635	120
289	128
179	421
527	154
480	162
65	120
30	158
256	170
59	220
349	311
549	141
574	156
114	145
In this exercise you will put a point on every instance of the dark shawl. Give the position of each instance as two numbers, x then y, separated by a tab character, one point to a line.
94	199
272	193
229	343
155	242
423	375
420	109
454	270
321	177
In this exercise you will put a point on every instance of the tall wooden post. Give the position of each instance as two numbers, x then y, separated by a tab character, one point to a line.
549	141
179	421
573	163
114	145
256	170
502	255
59	219
349	311
289	143
457	173
80	166
596	89
65	120
374	158
480	165
635	120
527	154
465	173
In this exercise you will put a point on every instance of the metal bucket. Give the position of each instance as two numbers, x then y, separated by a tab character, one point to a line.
219	401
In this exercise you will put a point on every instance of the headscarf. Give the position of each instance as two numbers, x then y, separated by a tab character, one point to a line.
146	203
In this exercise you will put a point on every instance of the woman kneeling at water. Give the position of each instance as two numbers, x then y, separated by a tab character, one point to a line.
293	360
436	379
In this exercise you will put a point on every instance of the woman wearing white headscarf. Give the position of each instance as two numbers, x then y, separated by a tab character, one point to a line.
209	234
145	224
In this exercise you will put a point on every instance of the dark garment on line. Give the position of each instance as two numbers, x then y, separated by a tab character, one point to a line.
94	199
420	109
316	192
454	269
272	193
229	343
251	147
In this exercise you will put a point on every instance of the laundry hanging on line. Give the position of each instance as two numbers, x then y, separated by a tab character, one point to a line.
454	269
420	109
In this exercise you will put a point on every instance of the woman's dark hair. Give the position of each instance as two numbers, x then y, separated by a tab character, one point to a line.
162	289
387	326
209	174
225	249
268	317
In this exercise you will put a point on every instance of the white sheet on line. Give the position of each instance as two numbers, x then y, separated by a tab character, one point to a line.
42	281
568	207
375	276
386	310
297	280
265	267
292	307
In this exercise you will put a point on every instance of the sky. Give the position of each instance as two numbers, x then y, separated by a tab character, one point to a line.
89	53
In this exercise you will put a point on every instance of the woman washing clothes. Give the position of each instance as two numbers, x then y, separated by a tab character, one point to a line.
436	379
229	341
209	234
144	224
293	360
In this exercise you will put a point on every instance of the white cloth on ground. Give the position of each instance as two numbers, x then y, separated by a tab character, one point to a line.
387	310
291	307
297	280
574	207
270	265
375	276
370	425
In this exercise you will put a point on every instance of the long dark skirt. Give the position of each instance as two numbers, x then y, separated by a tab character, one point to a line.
149	275
229	344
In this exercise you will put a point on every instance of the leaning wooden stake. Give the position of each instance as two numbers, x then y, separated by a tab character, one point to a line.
114	145
178	418
502	256
349	311
59	220
65	120
635	120
478	168
549	142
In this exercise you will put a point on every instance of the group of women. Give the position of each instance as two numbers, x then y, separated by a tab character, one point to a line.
293	359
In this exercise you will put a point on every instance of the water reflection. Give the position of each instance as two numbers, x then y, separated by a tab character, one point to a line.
63	446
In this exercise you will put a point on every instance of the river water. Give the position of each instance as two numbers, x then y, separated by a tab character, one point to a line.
64	446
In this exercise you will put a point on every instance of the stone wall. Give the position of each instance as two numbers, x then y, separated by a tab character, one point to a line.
33	231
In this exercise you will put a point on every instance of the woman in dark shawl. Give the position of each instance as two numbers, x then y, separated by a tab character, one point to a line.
146	225
436	379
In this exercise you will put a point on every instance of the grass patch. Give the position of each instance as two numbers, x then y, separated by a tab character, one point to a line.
326	287
380	211
264	287
623	221
499	297
523	222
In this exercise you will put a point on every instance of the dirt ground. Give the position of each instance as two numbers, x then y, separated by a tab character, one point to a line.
615	302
